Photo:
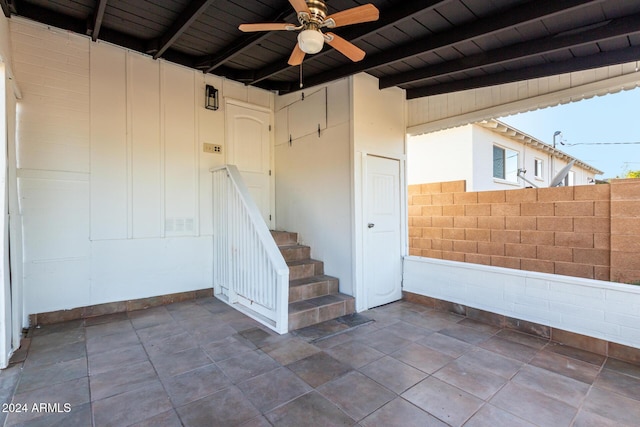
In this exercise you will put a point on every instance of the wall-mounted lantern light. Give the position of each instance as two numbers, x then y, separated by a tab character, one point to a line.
211	98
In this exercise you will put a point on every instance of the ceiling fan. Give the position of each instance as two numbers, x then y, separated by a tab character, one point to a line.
312	15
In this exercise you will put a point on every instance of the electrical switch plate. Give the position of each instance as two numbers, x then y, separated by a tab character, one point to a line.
212	148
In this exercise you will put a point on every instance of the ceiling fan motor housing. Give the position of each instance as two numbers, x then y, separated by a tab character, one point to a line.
318	12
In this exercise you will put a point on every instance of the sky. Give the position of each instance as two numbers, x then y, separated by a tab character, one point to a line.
608	119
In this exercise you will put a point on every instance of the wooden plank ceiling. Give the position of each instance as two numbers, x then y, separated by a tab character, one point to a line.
426	47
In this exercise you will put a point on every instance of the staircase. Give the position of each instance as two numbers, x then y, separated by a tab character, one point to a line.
313	296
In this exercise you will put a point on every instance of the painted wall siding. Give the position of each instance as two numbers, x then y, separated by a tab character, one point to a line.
313	184
115	188
158	267
146	149
447	153
52	70
109	147
459	108
605	310
56	221
378	117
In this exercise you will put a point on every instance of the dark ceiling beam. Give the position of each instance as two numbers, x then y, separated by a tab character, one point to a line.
388	18
582	63
592	34
93	27
211	62
508	19
179	26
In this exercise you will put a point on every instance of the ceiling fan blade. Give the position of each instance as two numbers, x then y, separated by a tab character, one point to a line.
300	6
345	47
268	26
355	15
296	56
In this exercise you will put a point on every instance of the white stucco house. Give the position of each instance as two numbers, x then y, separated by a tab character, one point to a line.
491	155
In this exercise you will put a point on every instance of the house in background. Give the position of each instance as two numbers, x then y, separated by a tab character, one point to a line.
488	155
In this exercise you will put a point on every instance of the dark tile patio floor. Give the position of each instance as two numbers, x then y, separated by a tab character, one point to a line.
201	363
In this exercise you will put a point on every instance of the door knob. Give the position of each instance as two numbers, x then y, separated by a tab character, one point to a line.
371	225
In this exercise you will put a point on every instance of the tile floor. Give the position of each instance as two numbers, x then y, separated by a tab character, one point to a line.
202	363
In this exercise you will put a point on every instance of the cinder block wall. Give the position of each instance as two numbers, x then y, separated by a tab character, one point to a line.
588	231
625	231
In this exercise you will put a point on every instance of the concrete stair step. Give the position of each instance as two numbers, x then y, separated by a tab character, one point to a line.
295	252
300	269
311	287
319	309
313	296
284	237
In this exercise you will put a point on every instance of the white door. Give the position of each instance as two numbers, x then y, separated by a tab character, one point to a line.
383	245
249	148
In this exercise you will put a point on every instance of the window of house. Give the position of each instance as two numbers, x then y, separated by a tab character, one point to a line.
505	164
537	165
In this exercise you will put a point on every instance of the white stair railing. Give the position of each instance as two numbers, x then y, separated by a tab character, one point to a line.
249	272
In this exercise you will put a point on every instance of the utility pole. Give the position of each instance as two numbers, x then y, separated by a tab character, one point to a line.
553	172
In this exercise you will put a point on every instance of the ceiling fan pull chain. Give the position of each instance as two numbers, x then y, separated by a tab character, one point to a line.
301	76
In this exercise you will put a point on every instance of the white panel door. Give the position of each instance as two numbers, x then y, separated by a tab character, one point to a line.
383	247
249	148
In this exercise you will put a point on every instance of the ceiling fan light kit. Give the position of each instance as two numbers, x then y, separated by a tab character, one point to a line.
312	15
311	41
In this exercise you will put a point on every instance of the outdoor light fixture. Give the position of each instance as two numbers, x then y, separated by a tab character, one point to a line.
311	41
211	98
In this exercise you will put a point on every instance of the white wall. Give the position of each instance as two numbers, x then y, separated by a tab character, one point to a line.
111	160
378	118
313	174
604	310
440	156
